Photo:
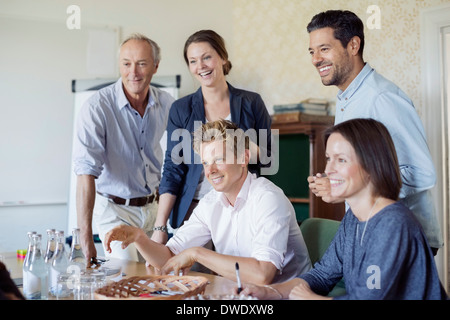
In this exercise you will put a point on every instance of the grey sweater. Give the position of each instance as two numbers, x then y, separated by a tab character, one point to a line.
393	261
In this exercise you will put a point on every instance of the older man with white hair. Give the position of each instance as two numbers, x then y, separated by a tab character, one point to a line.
117	152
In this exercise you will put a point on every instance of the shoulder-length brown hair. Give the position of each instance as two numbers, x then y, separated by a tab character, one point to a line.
375	151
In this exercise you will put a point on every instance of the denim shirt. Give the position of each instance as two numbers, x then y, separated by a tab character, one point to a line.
370	95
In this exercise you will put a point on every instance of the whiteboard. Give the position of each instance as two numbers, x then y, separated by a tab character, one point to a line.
38	60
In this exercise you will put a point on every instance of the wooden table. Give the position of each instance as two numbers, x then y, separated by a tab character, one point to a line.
217	285
211	309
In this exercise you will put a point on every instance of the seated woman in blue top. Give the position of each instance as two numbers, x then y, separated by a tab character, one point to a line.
183	182
380	248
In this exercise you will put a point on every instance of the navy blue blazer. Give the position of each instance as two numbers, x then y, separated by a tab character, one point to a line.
181	174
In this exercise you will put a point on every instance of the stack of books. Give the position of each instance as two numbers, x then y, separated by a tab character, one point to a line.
310	110
308	106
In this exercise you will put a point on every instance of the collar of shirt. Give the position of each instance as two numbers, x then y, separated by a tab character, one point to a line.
353	87
122	100
242	195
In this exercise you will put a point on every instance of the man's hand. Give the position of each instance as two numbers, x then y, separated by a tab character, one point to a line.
180	262
85	201
319	185
126	234
89	250
259	292
266	292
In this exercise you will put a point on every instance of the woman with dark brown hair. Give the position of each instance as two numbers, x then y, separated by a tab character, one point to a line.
183	183
380	248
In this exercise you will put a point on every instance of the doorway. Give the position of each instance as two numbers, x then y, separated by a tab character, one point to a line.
446	106
435	66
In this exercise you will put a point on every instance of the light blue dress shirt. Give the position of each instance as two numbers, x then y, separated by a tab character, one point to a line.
118	146
370	95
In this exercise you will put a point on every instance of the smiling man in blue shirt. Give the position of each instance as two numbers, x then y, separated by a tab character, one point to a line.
336	48
117	152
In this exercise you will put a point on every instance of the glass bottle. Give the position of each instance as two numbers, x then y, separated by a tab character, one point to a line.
36	285
27	260
51	246
59	263
76	253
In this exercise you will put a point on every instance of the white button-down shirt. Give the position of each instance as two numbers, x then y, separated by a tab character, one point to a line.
261	225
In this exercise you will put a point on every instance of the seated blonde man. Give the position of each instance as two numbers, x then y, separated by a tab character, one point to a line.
249	219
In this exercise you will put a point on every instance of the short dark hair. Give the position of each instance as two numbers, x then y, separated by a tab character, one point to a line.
375	151
215	40
345	24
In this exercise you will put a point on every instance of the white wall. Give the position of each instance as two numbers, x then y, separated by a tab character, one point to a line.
36	120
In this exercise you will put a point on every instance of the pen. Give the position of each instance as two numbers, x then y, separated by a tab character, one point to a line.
238	279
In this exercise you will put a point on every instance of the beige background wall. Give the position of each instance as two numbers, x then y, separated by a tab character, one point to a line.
271	46
39	52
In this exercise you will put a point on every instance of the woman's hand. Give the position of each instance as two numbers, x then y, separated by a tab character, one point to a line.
302	291
160	237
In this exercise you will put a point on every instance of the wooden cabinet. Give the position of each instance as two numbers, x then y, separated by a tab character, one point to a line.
302	153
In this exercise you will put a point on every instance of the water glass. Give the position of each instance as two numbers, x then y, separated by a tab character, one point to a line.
64	289
99	279
84	288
